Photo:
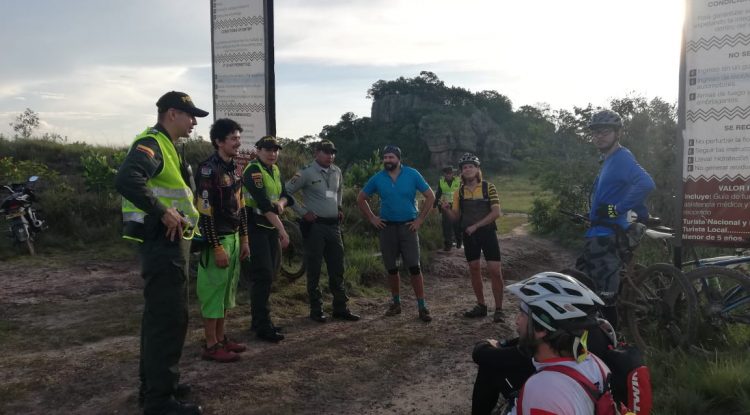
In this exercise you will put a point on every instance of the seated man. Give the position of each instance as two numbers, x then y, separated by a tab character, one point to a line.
549	335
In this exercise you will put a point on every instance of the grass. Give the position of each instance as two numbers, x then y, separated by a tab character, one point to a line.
517	192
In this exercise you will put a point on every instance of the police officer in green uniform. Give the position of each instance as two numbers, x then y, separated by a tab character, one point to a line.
265	199
158	212
321	184
447	186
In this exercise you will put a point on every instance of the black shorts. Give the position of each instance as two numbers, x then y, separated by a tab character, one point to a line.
483	240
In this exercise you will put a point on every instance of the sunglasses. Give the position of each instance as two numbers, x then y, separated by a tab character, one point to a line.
601	131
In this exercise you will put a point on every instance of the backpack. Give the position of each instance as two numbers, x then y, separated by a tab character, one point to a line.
630	378
485	197
604	403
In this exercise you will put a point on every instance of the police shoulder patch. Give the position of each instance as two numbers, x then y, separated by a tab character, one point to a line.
206	171
257	179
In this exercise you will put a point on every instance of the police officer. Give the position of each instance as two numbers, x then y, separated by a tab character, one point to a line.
158	212
446	187
265	200
223	224
321	184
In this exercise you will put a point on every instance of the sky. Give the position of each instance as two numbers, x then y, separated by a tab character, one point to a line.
94	69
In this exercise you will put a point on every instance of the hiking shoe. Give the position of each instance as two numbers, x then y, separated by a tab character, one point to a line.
499	316
479	310
446	248
181	391
424	314
269	335
217	353
232	346
393	309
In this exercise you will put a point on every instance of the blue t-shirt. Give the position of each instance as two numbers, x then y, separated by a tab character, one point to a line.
397	198
621	182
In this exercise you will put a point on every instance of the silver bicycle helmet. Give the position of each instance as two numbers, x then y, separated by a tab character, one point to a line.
468	158
557	301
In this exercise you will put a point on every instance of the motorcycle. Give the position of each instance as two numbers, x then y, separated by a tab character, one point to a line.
23	222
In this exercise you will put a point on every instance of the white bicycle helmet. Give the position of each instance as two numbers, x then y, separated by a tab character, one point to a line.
468	158
558	301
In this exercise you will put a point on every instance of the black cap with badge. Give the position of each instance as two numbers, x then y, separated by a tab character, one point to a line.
179	101
326	146
268	142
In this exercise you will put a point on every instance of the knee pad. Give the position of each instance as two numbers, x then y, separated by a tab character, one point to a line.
415	270
393	271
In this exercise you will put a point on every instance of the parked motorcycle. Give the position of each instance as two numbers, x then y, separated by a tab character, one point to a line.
23	222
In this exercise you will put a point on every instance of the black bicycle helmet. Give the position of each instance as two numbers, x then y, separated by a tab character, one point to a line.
468	158
606	118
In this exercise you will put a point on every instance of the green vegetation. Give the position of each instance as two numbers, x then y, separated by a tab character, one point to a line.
549	153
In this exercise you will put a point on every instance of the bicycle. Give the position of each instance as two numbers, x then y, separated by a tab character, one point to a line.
723	293
292	261
657	302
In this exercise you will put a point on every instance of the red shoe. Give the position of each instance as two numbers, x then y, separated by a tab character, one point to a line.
233	346
217	353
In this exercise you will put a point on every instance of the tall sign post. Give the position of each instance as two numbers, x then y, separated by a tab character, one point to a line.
242	62
714	121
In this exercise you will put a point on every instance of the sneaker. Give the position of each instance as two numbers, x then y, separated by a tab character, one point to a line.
424	314
217	353
499	316
479	310
232	346
458	245
393	310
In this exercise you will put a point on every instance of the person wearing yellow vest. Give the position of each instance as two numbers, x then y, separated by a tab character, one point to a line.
265	199
447	186
158	212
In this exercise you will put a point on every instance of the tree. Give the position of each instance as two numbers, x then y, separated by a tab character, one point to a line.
25	123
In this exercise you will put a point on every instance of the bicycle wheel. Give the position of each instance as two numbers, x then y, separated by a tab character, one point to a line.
293	257
660	308
724	305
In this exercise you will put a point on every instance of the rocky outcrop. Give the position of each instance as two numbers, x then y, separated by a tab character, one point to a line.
447	132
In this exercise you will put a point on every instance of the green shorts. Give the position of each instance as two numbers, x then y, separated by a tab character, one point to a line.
217	287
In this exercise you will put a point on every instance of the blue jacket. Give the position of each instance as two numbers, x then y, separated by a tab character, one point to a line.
621	182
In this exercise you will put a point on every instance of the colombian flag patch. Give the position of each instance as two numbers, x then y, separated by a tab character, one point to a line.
143	149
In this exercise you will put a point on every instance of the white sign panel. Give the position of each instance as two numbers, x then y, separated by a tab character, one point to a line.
239	65
716	159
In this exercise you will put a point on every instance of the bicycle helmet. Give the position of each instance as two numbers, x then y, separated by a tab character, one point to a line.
468	158
606	118
557	301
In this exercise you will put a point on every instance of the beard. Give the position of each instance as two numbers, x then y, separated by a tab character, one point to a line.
390	166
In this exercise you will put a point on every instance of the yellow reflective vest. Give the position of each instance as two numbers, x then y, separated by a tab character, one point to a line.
271	184
168	186
447	190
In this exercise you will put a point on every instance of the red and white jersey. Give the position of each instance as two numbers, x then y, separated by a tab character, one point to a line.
554	393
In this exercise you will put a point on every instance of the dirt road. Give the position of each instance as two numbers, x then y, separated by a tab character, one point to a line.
70	345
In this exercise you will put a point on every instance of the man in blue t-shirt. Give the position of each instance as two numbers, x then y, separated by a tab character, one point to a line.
621	186
398	222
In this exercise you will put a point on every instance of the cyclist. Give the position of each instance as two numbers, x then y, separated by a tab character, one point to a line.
622	185
555	314
475	207
399	223
223	224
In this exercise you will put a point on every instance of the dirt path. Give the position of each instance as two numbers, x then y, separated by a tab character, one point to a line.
70	341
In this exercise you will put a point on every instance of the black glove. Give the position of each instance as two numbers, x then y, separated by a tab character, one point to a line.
606	212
